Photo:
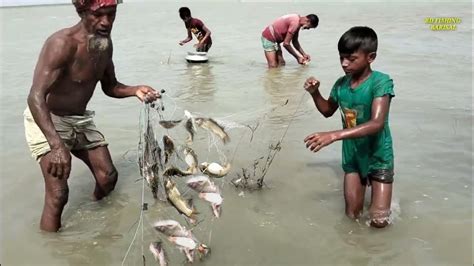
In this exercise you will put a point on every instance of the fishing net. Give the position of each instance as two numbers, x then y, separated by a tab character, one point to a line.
160	125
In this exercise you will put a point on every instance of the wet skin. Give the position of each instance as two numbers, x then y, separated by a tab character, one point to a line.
71	63
357	65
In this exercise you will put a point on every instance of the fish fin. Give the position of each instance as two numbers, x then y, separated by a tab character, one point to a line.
216	210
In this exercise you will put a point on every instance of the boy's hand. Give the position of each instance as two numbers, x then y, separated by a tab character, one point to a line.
311	85
307	57
317	141
182	43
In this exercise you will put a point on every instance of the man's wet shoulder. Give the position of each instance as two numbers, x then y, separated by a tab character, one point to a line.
62	38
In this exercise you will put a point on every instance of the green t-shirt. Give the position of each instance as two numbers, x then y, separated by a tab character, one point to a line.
365	154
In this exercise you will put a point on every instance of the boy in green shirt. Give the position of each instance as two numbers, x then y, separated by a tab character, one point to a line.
363	97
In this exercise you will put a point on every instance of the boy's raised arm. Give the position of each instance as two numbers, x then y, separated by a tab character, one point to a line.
325	107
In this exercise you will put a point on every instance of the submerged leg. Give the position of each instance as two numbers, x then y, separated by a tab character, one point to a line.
272	59
56	197
281	61
380	205
354	192
99	161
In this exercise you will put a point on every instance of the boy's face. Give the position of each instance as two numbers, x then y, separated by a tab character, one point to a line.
356	62
186	19
307	26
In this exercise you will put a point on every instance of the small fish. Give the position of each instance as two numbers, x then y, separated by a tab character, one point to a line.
152	150
169	123
190	127
156	248
174	196
173	171
185	242
152	178
215	169
214	198
153	184
191	160
212	126
201	183
216	202
171	228
169	147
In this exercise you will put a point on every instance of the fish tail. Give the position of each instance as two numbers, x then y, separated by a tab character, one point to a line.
216	210
226	169
226	139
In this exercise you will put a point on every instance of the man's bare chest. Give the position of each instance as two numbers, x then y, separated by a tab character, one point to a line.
88	67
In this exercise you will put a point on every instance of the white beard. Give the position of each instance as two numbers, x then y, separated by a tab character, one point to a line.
98	43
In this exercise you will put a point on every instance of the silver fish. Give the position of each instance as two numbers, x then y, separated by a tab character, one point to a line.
156	248
212	126
169	123
191	160
185	242
215	169
201	183
175	198
214	198
171	228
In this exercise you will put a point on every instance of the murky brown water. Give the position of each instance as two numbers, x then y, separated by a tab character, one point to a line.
299	219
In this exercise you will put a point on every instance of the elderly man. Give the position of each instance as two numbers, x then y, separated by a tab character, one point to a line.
57	123
285	30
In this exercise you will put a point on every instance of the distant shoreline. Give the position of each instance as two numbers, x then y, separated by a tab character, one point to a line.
28	4
35	5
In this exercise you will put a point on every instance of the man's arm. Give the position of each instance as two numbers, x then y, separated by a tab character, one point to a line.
188	39
115	89
206	36
289	48
380	108
325	107
51	63
297	45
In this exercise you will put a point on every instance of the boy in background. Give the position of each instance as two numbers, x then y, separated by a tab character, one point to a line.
195	26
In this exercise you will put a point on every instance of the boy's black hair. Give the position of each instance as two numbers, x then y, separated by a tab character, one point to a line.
184	12
363	38
313	19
